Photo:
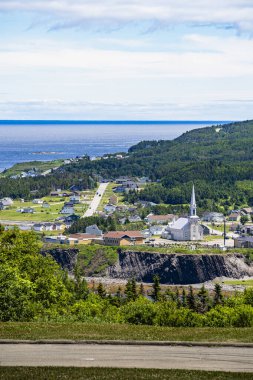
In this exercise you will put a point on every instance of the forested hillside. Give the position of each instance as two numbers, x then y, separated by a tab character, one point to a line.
218	159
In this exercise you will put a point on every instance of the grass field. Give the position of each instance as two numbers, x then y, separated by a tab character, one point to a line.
41	166
239	282
107	194
104	331
52	373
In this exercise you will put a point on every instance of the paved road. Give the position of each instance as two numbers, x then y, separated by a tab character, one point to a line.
96	200
236	359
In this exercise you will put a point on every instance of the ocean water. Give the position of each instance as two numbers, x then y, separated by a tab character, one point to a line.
20	142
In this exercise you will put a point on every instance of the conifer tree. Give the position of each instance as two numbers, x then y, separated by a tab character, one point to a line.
101	290
218	296
156	288
191	302
184	298
142	290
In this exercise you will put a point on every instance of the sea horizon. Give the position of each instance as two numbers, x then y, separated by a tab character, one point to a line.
45	140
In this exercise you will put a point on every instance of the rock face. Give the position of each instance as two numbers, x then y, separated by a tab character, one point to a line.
178	268
66	258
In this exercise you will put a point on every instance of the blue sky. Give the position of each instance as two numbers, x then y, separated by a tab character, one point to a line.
114	59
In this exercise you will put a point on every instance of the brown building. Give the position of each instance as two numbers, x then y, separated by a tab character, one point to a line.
113	200
119	238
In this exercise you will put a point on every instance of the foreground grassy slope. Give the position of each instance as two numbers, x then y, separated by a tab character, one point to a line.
54	373
104	331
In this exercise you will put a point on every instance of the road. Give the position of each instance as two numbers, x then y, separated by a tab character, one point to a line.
96	200
231	359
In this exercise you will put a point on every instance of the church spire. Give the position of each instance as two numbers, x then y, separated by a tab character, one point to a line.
193	207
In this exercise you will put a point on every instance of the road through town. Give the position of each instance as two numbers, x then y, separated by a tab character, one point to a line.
235	359
96	200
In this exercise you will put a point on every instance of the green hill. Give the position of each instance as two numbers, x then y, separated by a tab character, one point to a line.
219	159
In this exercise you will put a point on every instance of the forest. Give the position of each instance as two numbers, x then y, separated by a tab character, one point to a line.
34	288
219	159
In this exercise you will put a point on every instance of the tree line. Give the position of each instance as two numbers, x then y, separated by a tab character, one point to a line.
35	288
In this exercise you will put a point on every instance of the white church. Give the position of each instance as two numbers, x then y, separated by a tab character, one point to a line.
185	229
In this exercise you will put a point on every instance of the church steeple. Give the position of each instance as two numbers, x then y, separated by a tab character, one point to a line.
193	207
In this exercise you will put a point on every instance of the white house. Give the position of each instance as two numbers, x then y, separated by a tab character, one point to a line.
38	227
109	208
186	229
68	210
75	198
157	230
93	230
38	201
6	201
46	205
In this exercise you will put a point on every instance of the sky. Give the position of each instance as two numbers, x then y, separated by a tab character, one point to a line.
126	60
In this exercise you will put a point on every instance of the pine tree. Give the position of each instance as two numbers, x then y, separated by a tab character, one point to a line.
184	298
101	290
177	297
191	302
218	296
203	299
142	290
129	290
134	289
156	288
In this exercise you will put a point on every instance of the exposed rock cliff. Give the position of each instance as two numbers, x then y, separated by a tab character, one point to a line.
179	268
66	258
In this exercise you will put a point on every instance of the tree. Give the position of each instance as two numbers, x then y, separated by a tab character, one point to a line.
191	301
184	298
203	300
156	288
218	296
101	290
244	219
142	290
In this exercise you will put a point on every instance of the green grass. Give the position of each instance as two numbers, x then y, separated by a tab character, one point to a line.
239	282
41	166
54	373
103	331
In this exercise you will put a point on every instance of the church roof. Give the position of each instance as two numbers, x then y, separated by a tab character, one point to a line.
180	223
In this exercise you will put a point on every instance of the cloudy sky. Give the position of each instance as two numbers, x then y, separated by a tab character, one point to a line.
135	59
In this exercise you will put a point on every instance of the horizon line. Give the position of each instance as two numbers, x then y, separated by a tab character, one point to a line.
59	121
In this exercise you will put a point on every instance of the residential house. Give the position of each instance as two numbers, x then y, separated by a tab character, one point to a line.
38	227
6	202
157	230
75	199
243	242
110	208
122	238
46	205
83	238
55	194
234	217
134	219
67	210
213	217
247	211
160	219
27	210
38	201
246	229
94	230
49	226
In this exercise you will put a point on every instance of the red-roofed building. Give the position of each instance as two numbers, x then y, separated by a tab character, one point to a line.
119	238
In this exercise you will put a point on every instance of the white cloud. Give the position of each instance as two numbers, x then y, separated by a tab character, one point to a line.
71	13
57	109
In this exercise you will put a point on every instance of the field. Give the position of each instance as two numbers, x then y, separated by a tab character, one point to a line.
239	282
40	166
107	331
54	373
107	194
44	214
